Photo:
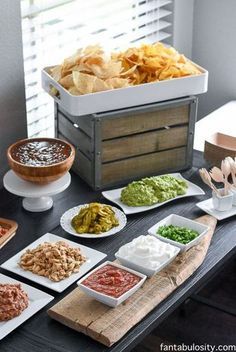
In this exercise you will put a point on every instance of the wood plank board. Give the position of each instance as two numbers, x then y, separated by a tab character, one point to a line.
75	135
82	165
108	325
85	123
143	165
143	143
144	121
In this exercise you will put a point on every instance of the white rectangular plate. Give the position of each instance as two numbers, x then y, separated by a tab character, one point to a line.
37	300
114	196
207	206
93	258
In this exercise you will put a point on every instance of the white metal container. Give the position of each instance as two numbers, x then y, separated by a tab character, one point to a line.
126	97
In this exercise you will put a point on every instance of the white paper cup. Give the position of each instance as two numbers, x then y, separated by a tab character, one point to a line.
233	191
221	202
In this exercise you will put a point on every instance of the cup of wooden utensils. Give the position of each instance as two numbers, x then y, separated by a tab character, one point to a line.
222	202
223	198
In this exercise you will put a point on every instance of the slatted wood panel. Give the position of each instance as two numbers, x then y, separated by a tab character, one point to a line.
146	121
107	325
85	123
139	166
116	147
149	142
75	135
82	165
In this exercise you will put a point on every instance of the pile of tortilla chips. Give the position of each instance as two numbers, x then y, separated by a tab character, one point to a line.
91	70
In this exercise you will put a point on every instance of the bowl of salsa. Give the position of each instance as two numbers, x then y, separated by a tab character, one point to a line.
111	283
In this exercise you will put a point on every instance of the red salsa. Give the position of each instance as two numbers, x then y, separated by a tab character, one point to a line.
111	281
3	231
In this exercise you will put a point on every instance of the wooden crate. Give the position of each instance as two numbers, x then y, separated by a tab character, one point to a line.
116	147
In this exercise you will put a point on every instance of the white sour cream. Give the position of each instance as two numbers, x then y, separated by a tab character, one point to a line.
147	251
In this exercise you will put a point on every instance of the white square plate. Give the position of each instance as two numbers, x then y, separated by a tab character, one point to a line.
207	206
94	257
37	300
181	221
114	196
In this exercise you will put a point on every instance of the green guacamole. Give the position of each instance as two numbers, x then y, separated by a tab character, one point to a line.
151	190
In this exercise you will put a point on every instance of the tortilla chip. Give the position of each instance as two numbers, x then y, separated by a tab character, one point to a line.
100	85
107	70
74	91
117	82
83	82
56	72
67	81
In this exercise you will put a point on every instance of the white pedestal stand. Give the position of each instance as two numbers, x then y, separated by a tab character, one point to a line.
37	197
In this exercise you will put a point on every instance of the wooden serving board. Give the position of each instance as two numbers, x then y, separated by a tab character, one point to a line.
107	325
11	231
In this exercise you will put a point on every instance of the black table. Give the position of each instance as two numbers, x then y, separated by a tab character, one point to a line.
40	333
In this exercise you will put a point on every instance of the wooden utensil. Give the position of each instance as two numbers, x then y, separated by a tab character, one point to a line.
226	170
206	178
217	175
232	163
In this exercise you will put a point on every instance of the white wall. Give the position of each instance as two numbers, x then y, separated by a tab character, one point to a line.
183	26
214	47
12	91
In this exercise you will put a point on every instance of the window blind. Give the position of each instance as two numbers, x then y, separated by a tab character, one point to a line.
54	29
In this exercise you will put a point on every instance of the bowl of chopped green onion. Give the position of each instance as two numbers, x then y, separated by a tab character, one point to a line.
179	231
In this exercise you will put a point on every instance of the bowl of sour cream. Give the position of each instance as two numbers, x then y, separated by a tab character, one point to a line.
147	254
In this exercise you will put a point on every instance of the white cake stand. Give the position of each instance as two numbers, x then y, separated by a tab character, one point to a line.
37	197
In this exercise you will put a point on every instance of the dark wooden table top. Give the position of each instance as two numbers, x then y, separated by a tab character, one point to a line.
40	333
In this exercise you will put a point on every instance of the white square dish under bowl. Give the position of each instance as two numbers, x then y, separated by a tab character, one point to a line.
104	298
37	300
207	206
181	221
93	258
147	248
